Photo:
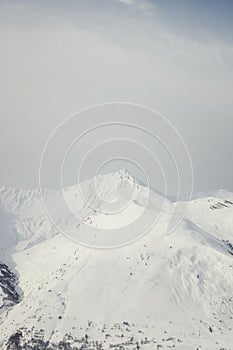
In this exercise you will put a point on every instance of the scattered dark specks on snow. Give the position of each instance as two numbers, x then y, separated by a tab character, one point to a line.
220	205
28	339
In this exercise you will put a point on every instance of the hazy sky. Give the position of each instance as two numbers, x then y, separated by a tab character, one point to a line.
171	55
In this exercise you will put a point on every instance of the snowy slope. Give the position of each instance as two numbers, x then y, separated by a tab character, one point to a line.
161	291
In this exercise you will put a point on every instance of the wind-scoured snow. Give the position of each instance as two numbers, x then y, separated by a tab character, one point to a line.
161	291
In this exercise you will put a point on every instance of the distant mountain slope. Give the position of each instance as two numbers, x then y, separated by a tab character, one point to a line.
162	291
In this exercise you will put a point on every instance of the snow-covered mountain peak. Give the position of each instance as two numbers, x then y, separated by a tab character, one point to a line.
105	189
179	284
125	175
116	179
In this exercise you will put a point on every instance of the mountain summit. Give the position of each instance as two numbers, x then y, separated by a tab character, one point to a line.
157	291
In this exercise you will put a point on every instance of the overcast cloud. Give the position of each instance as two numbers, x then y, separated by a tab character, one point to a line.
60	56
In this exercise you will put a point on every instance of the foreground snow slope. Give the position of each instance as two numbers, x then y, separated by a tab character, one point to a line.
175	290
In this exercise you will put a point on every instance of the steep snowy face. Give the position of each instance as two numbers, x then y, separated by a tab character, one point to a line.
110	194
110	210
